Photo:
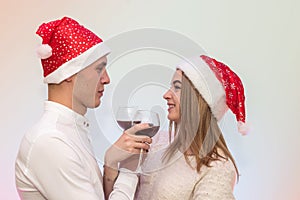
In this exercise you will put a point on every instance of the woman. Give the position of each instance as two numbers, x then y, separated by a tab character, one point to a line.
197	164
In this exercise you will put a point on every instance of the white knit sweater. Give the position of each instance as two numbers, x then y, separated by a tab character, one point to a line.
179	181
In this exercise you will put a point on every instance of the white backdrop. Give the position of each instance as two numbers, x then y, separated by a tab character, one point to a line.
258	38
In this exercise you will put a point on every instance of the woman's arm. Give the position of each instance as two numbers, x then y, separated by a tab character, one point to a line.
123	149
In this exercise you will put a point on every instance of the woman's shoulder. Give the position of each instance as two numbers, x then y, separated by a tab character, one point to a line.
217	181
221	169
222	164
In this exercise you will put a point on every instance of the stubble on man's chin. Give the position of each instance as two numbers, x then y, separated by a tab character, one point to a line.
97	104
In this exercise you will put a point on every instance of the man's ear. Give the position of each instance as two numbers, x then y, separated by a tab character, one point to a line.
71	78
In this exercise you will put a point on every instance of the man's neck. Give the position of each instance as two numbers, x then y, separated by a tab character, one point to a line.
78	109
60	101
63	94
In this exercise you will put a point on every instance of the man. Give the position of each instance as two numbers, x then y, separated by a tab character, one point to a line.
55	159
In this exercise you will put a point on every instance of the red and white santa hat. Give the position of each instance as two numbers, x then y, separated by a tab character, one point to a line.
219	86
67	48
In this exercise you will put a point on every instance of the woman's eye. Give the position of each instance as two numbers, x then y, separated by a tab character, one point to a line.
177	87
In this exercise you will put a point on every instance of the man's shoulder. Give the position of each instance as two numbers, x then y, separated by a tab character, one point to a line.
41	142
47	127
42	130
45	133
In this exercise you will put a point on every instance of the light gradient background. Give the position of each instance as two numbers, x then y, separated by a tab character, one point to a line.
260	38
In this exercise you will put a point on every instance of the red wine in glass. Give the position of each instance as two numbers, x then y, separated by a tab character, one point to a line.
125	117
150	132
152	118
127	124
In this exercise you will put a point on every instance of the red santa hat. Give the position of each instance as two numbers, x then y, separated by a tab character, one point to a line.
219	86
67	48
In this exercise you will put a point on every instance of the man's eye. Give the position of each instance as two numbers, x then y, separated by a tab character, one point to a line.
99	70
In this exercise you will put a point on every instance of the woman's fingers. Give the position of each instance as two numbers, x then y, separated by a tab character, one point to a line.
142	139
141	145
128	144
139	138
136	128
137	142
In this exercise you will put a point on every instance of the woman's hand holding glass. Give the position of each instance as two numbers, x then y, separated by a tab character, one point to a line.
139	126
129	143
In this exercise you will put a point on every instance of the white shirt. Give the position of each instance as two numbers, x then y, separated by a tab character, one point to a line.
56	161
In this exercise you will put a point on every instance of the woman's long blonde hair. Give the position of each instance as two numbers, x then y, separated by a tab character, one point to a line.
198	130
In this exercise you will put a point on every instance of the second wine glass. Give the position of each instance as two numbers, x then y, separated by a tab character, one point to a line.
152	118
126	116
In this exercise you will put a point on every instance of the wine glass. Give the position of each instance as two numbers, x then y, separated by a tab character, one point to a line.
152	118
125	116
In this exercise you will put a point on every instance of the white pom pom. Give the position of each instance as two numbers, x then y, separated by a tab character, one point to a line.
243	128
44	51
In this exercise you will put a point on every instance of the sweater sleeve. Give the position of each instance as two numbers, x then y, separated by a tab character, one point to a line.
125	186
217	182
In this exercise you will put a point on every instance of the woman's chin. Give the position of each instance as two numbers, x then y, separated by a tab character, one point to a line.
173	118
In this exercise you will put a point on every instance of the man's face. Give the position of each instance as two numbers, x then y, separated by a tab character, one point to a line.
89	85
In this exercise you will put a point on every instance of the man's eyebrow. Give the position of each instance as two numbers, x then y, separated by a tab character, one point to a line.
177	81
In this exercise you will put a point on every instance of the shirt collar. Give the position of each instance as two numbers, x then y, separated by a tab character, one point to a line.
68	114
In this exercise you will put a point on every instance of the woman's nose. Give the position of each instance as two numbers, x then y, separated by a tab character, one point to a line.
167	95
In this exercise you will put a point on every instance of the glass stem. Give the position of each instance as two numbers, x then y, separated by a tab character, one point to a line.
140	160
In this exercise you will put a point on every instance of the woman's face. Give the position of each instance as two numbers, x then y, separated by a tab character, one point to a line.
173	97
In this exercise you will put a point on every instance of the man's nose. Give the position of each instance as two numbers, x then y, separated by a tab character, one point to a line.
105	78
